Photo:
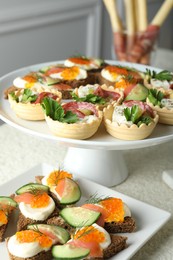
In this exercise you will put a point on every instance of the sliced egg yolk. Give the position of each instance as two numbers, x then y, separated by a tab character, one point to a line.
117	70
115	209
89	234
80	61
56	175
30	81
3	217
70	73
29	236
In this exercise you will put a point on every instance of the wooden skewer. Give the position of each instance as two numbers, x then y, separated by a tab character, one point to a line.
114	17
162	13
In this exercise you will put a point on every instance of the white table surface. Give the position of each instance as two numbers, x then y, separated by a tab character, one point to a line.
20	152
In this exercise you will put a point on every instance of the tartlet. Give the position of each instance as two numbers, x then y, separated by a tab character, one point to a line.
162	104
83	120
127	132
98	95
29	110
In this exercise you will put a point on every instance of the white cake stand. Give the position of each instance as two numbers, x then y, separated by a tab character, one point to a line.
99	158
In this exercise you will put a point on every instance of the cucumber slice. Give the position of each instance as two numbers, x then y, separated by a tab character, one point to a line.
71	193
31	187
79	217
8	201
44	69
50	81
59	234
68	252
139	92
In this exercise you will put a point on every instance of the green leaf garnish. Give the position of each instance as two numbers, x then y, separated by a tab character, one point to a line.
136	116
162	75
133	114
54	110
155	97
91	98
26	97
94	199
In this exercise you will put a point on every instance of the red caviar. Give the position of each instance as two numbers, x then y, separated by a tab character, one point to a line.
70	73
56	175
90	234
29	236
80	60
40	200
115	209
3	217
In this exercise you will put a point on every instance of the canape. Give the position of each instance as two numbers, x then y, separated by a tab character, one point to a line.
76	120
162	102
35	205
133	120
35	242
98	95
26	102
162	79
7	205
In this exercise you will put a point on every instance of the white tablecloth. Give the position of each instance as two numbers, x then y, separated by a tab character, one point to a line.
20	152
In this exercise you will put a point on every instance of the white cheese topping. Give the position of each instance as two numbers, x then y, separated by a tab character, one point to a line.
37	213
168	103
161	83
24	250
119	117
83	91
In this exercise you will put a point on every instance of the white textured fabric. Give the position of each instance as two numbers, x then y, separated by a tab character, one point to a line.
19	152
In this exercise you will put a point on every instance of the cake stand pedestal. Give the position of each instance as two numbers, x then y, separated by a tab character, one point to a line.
104	167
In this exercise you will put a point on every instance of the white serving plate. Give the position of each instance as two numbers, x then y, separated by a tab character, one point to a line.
147	224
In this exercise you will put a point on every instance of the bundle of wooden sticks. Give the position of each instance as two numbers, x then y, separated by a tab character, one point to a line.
134	41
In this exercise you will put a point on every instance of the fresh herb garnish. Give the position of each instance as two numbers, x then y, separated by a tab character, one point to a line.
91	98
54	110
26	97
136	116
155	97
94	199
162	75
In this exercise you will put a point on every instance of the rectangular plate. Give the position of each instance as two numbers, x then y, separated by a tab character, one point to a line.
147	224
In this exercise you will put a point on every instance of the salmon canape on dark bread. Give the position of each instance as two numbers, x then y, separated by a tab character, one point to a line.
119	77
115	214
90	242
63	188
7	205
36	242
35	205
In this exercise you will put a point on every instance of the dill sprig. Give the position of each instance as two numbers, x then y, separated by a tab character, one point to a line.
94	199
86	231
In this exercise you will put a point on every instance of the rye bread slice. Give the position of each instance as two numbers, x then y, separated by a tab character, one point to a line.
2	231
44	255
118	243
23	221
127	226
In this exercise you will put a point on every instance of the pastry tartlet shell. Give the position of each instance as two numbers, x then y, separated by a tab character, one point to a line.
125	132
29	111
79	131
165	115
